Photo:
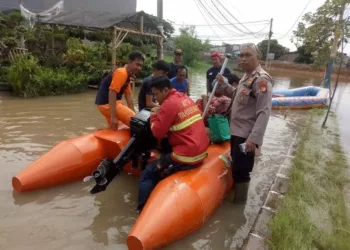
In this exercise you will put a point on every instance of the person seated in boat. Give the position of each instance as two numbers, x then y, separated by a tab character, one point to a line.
179	118
219	104
216	60
112	88
179	82
146	98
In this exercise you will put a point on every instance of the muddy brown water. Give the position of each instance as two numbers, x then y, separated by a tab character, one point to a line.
68	217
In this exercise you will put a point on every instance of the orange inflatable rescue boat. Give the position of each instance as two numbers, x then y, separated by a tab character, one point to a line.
191	195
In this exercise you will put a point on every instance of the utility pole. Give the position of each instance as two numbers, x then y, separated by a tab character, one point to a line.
338	30
160	27
336	82
268	44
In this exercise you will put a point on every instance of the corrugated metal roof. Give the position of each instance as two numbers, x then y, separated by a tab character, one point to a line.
99	19
36	6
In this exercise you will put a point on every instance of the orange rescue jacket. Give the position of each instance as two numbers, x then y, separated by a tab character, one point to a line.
180	119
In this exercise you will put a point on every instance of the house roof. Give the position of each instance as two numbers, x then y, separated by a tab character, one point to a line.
90	19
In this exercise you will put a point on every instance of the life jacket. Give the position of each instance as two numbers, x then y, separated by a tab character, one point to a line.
102	95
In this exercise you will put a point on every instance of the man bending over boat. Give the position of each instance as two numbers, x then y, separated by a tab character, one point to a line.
146	98
113	87
179	118
250	114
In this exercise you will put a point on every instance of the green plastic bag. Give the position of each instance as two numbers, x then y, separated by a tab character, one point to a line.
219	128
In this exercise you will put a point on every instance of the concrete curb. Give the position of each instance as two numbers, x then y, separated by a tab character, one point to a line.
259	233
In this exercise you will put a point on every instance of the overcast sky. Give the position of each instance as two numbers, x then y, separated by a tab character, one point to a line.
284	13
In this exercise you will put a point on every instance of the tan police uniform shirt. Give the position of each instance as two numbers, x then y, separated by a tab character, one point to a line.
251	107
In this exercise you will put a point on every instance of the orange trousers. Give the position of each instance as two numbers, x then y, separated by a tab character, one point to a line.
123	112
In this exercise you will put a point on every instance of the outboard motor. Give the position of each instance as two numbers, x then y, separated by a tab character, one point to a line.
139	146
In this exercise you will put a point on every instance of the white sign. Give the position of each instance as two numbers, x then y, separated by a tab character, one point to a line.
271	56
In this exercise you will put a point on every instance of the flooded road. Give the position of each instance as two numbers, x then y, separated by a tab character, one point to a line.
67	217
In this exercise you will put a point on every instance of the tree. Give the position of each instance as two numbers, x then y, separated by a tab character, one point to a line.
316	30
303	56
190	45
39	39
11	29
275	47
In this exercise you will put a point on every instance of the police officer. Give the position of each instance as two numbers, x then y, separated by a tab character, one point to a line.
250	114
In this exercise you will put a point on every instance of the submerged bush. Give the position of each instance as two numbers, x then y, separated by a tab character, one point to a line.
23	72
29	79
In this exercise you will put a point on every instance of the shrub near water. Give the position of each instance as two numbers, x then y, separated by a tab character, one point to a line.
23	76
29	79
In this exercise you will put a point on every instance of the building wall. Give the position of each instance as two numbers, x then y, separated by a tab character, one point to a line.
226	48
117	6
220	49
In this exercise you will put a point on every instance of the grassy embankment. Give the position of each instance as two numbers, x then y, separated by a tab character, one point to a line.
313	214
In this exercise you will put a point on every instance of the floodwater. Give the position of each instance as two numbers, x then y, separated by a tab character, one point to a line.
68	217
341	106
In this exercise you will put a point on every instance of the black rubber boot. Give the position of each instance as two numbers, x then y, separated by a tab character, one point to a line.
241	192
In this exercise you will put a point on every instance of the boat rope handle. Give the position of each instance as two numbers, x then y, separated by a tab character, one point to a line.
223	173
227	165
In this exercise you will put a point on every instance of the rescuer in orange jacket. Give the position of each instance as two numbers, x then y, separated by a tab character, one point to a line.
179	118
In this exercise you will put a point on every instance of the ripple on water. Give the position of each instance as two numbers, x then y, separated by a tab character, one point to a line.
28	147
13	127
68	217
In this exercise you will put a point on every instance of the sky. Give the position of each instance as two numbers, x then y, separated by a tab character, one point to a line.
284	13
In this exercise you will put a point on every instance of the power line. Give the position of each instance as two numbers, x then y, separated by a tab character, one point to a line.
217	15
231	39
226	18
222	18
232	5
263	28
201	6
231	16
214	19
296	20
225	24
206	19
239	36
258	34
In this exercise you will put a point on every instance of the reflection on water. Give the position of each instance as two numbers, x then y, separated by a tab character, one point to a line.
342	106
68	217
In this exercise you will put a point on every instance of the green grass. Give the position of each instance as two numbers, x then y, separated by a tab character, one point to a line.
313	214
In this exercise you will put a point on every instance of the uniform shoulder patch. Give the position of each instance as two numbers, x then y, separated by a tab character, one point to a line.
263	86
